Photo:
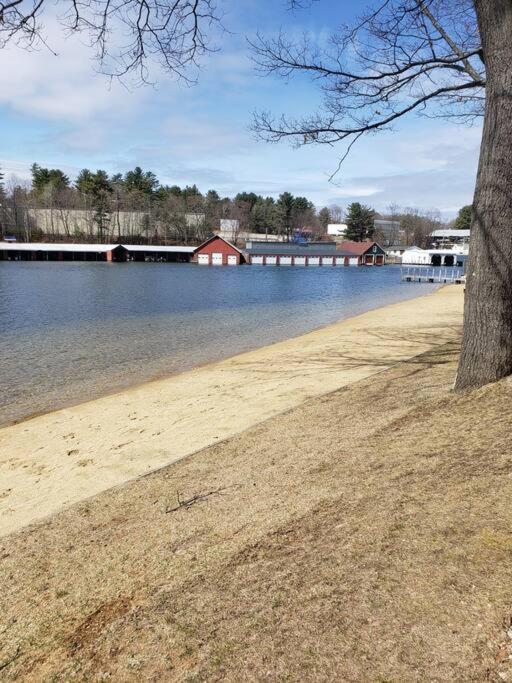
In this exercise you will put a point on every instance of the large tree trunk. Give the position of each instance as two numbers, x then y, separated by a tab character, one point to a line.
486	354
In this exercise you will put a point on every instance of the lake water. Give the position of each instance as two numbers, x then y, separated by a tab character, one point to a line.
70	332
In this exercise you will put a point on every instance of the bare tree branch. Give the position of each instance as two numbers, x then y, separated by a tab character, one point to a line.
402	56
127	35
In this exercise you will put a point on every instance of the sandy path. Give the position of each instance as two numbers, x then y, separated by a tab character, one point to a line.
63	457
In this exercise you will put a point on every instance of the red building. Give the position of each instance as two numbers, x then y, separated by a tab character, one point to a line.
218	252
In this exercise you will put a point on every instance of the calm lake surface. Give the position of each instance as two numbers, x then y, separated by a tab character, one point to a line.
70	332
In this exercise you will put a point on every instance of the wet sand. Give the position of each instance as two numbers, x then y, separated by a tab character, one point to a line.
57	459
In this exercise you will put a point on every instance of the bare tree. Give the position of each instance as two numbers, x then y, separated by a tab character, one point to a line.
337	213
126	35
442	58
400	57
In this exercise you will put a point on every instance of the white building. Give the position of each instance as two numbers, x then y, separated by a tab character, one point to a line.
336	229
450	237
414	256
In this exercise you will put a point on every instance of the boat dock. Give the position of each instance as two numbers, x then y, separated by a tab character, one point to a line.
428	274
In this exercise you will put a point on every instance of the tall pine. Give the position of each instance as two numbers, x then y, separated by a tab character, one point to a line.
360	222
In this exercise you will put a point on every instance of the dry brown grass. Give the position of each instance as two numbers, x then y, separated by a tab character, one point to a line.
365	536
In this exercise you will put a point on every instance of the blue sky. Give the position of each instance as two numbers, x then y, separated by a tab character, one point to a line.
59	112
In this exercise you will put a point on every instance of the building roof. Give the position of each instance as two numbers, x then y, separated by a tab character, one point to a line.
160	249
217	237
90	248
55	246
442	252
293	249
450	232
356	248
345	248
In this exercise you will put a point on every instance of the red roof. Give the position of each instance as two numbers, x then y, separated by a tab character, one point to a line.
356	248
217	237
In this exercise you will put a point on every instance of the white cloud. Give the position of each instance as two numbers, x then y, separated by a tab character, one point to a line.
356	190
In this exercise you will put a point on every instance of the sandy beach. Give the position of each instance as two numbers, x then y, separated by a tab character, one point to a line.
359	536
54	460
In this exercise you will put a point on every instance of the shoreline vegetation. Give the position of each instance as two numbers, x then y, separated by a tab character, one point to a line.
360	535
63	457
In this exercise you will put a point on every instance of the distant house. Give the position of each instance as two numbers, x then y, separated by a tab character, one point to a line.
414	256
217	251
315	254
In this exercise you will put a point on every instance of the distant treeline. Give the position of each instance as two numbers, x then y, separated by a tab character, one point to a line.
136	206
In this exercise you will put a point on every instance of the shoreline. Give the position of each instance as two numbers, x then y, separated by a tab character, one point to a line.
160	375
65	456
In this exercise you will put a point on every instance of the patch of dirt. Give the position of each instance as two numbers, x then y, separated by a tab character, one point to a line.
97	623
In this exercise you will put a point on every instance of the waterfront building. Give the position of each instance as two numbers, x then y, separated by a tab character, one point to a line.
55	251
315	254
414	256
217	251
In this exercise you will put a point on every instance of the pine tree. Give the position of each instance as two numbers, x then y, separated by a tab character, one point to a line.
324	218
360	222
463	220
285	207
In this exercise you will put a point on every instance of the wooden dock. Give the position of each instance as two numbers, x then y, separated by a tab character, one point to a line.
432	274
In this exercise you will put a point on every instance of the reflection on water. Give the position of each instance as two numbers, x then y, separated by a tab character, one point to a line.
70	332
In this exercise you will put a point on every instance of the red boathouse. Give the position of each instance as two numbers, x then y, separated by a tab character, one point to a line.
217	251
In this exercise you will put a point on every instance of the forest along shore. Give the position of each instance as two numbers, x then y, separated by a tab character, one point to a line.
60	458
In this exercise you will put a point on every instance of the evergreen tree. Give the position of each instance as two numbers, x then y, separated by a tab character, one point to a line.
463	220
324	218
212	207
42	178
258	218
85	181
247	198
101	191
141	181
360	222
191	192
285	207
98	188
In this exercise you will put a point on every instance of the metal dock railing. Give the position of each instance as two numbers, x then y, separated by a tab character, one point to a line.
432	274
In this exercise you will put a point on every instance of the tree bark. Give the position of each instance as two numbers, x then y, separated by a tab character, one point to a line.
486	354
